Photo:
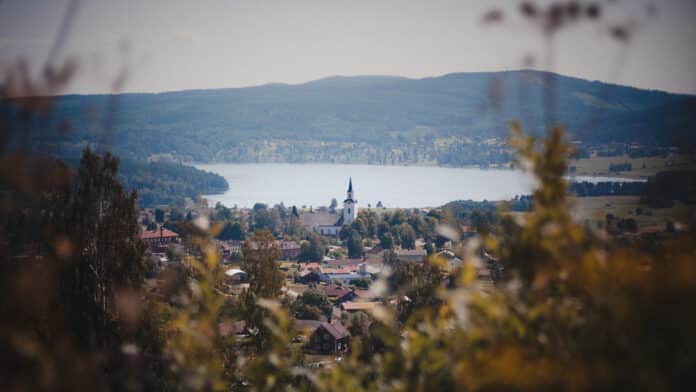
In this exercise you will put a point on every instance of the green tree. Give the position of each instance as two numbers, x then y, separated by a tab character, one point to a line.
313	249
354	243
386	241
231	231
312	305
407	236
259	262
99	219
265	282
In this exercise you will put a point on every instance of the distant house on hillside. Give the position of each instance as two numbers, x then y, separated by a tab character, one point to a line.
344	275
289	250
359	306
412	255
159	237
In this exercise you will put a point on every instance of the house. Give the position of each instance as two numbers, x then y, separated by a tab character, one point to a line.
225	250
308	276
411	255
289	250
345	276
334	292
359	306
325	223
235	247
351	264
376	250
159	237
237	328
324	337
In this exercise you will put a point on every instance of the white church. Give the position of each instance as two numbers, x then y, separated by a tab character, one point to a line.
350	212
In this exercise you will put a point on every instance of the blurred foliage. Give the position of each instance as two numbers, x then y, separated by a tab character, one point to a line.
573	310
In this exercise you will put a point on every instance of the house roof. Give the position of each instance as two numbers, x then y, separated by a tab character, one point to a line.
375	250
307	325
336	271
335	291
228	327
310	266
318	219
411	252
337	330
359	305
160	233
365	294
287	245
349	276
344	263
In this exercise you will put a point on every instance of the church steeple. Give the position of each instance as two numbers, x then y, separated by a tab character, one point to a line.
350	207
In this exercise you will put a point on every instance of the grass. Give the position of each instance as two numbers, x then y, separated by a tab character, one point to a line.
594	209
642	167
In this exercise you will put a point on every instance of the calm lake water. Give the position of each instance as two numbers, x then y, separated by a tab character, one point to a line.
395	186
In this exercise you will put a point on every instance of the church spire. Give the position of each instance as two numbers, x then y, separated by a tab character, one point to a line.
350	207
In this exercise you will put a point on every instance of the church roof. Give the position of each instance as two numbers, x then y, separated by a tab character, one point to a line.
339	222
350	184
311	219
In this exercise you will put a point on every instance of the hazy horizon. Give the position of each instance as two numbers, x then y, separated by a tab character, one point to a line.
300	83
171	46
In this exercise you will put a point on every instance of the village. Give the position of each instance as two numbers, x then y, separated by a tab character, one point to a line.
330	285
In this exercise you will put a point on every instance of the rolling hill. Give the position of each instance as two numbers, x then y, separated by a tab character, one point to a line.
333	116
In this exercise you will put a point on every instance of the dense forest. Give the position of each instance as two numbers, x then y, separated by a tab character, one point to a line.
670	186
164	183
383	119
607	188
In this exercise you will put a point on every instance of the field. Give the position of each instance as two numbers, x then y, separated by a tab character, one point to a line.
642	167
596	208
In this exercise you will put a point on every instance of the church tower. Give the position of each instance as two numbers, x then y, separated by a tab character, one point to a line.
350	205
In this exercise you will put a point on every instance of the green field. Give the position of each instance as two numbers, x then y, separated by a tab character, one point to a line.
596	208
642	167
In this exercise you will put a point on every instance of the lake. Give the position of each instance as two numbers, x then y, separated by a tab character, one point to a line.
395	186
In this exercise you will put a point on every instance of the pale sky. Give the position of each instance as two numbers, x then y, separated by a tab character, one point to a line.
173	45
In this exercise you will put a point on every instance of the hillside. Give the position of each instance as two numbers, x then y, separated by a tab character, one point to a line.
372	119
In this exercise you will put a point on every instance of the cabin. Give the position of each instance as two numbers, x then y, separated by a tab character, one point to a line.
328	338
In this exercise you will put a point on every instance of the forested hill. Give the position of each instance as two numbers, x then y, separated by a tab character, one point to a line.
163	183
324	119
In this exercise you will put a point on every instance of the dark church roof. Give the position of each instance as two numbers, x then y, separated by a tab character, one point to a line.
350	184
339	222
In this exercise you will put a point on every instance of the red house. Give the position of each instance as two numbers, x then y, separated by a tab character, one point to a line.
159	237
